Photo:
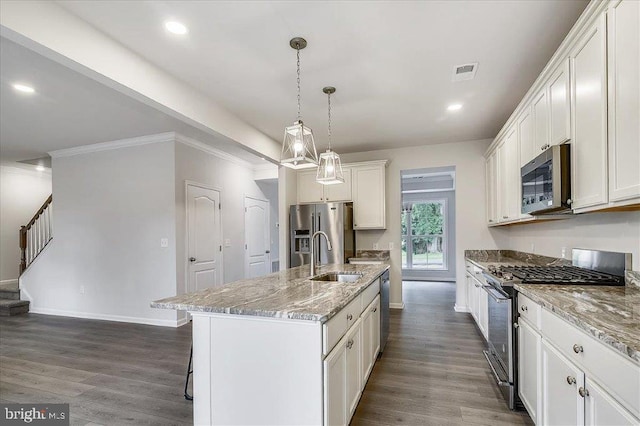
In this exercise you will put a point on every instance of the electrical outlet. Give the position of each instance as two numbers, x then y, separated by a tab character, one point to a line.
533	248
563	252
227	242
164	242
390	246
81	289
376	246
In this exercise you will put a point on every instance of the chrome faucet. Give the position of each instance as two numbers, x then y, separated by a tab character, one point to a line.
313	250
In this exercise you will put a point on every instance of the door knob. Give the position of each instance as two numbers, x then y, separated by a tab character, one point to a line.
192	259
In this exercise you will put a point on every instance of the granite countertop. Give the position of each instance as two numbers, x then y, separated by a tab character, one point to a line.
609	313
285	294
376	255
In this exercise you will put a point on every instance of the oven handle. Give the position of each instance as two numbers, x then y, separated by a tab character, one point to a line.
495	294
499	381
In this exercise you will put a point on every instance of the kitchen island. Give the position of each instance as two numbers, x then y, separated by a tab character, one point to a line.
282	348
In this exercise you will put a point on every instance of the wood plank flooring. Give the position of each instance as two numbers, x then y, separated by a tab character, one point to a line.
432	371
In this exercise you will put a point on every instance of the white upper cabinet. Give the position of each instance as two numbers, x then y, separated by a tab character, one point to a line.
369	195
589	118
525	132
623	28
540	109
310	191
491	170
560	105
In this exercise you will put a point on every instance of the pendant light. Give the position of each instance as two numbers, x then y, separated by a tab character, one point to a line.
298	147
330	167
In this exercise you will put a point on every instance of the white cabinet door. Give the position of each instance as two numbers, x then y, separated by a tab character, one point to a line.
561	380
483	312
335	386
503	182
354	370
560	105
602	410
492	188
339	191
513	175
369	197
370	338
623	28
525	135
540	122
309	191
589	118
529	360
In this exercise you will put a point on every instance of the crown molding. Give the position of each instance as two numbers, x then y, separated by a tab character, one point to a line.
117	144
211	150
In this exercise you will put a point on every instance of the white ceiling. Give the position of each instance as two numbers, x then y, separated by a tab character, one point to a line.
391	61
69	109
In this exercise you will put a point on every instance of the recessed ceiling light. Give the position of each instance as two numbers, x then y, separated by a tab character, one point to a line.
454	107
23	88
40	168
176	27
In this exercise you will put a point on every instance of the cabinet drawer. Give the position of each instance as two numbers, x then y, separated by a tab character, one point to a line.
529	310
619	376
336	327
369	294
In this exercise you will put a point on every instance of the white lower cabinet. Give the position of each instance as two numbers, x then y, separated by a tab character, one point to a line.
529	368
561	380
602	410
349	364
477	299
566	377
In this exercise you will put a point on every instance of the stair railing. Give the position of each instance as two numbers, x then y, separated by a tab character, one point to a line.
36	234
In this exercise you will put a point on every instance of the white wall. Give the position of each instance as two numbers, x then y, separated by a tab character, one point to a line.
471	229
22	192
111	208
611	231
270	190
234	181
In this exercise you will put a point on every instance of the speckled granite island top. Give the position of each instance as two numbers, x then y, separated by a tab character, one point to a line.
285	294
609	313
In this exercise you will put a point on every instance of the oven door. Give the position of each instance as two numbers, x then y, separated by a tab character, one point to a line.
500	353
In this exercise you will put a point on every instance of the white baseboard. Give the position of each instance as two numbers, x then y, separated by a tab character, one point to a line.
461	308
396	305
9	282
106	317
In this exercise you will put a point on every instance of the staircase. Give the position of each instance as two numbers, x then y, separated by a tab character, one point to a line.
10	303
34	237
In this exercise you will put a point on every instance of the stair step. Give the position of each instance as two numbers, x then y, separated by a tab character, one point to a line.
9	307
10	293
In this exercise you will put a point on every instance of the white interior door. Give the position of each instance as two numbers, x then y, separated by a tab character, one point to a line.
257	261
204	238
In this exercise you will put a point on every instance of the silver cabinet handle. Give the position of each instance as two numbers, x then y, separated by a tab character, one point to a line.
505	217
349	317
524	308
577	348
571	380
583	392
349	343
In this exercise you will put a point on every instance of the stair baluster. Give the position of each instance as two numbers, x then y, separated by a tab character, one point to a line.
36	234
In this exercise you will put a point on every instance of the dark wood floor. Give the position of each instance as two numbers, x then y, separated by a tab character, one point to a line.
432	371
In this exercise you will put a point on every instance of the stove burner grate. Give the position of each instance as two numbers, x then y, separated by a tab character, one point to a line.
561	275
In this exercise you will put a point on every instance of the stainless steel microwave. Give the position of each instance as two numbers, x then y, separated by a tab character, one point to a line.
546	182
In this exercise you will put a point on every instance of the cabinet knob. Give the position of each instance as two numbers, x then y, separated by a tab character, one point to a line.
505	217
349	317
577	348
375	309
349	343
583	392
524	308
192	259
571	380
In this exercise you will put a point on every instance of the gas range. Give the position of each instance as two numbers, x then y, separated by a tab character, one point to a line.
507	275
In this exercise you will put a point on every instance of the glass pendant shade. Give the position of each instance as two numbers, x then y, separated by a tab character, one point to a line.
298	147
329	169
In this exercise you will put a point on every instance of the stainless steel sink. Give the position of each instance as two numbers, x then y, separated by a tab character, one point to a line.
343	277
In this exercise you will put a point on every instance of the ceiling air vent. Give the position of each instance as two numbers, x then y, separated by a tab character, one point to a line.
464	71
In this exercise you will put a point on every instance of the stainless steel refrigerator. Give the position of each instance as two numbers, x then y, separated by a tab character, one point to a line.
336	219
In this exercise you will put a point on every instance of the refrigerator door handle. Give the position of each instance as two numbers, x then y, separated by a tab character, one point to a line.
319	251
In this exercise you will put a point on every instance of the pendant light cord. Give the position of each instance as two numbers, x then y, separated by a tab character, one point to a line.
298	81
329	127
